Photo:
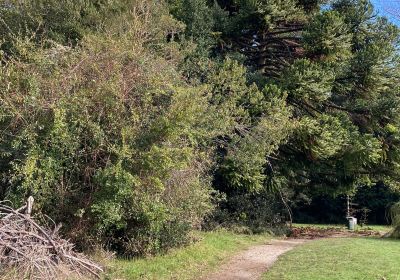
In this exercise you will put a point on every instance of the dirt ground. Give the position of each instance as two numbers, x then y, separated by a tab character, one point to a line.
253	262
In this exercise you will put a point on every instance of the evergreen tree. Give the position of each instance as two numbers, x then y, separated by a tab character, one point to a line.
338	67
357	55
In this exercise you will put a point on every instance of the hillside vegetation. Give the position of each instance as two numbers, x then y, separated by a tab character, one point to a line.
134	123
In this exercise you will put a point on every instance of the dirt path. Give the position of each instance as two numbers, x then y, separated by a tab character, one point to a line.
253	262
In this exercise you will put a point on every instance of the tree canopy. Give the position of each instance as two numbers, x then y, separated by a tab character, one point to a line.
139	121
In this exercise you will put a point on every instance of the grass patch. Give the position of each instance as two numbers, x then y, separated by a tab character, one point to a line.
189	262
338	259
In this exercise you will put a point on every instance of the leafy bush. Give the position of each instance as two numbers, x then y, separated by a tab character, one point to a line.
43	22
250	213
106	137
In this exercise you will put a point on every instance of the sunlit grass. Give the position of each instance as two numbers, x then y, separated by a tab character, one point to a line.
340	258
189	262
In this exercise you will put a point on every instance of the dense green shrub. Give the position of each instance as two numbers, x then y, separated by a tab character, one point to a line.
111	140
45	22
250	213
106	137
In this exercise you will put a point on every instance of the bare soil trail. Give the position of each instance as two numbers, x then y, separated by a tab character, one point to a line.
253	262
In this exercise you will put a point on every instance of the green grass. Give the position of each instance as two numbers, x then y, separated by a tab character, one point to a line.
189	262
339	259
342	226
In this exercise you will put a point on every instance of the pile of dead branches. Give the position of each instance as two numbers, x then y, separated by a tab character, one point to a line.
30	251
317	232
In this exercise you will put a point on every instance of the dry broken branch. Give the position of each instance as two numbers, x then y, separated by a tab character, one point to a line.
30	251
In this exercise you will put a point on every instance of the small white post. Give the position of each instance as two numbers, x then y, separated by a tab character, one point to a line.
29	205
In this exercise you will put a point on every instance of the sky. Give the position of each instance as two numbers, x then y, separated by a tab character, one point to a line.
383	5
